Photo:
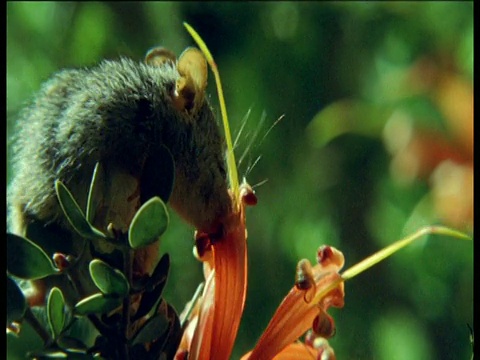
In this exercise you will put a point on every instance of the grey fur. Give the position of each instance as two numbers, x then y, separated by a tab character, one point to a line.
117	113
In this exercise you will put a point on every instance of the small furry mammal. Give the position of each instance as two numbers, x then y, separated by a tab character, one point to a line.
121	114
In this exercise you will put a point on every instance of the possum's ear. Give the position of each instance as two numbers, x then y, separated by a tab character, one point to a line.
190	87
158	56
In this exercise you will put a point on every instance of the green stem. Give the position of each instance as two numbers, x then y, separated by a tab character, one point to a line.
393	248
386	252
127	270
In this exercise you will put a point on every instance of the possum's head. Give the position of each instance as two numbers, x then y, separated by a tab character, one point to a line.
200	193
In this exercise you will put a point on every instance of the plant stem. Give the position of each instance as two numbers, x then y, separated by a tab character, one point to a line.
393	248
128	259
127	270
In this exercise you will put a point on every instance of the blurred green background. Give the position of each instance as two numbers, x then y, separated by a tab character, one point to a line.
376	141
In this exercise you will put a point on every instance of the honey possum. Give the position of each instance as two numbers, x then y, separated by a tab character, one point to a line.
130	117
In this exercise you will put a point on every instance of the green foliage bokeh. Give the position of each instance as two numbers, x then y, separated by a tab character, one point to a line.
291	59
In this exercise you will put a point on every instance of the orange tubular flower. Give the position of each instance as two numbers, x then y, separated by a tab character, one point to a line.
214	321
317	288
221	307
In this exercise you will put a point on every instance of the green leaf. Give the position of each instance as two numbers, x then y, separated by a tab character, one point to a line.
56	311
153	288
72	344
97	304
148	301
48	354
168	343
346	116
110	281
16	304
26	260
159	275
74	214
151	330
148	224
93	193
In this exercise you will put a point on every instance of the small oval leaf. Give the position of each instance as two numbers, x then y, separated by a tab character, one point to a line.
94	194
152	289
16	304
56	311
148	224
150	300
168	343
110	281
72	344
26	260
74	214
151	330
97	304
48	354
159	275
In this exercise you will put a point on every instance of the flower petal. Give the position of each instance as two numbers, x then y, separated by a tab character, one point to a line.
230	256
295	351
201	342
295	316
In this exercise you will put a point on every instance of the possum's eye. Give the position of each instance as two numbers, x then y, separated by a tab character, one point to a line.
190	87
158	56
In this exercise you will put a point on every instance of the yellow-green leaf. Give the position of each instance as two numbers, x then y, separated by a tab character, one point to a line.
74	214
152	330
26	260
148	224
97	304
93	193
56	311
16	304
110	281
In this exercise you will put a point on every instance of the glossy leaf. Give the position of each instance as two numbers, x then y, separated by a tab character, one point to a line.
72	344
74	214
153	288
60	354
168	343
159	275
93	193
110	281
152	330
26	260
56	311
49	354
16	304
148	224
148	301
96	304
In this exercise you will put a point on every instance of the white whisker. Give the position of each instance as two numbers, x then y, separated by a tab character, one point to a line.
242	126
251	166
259	183
254	137
271	128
